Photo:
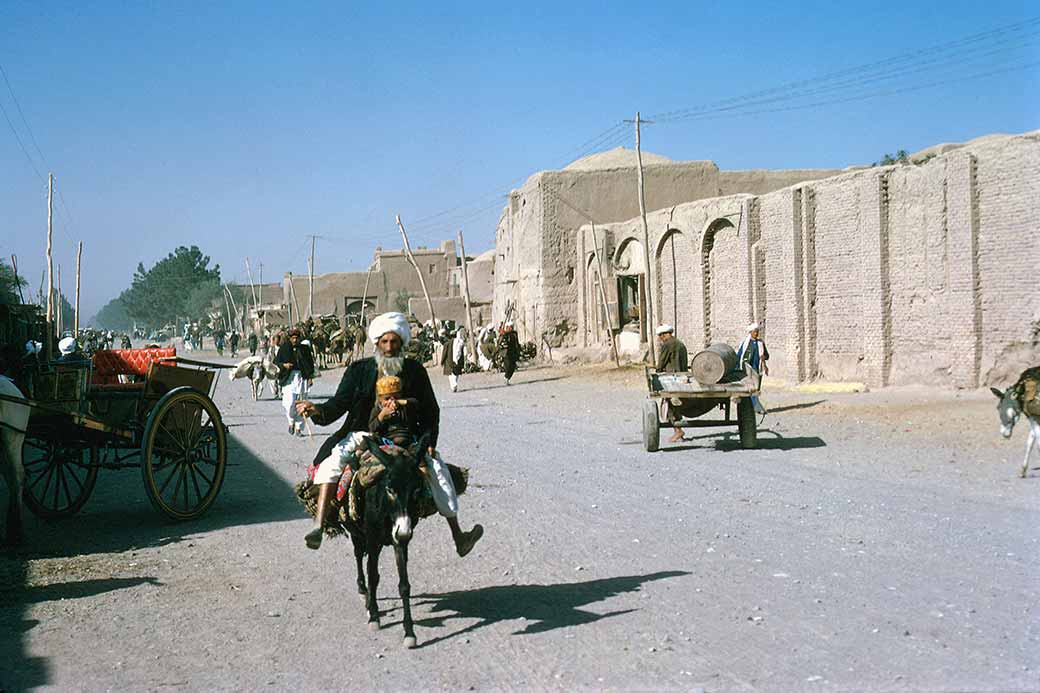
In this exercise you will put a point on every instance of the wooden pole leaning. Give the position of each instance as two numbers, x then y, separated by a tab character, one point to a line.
603	298
411	259
465	293
646	249
79	258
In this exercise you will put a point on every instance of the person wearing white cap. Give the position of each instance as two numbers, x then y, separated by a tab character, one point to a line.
753	352
355	397
672	357
69	350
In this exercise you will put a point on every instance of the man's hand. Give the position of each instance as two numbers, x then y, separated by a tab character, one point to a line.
389	407
306	408
287	366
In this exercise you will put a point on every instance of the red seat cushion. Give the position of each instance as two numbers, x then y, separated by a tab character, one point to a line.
109	364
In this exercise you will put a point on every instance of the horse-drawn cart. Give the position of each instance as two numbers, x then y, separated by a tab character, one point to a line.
677	399
125	408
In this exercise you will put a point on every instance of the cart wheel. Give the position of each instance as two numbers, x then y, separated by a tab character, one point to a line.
746	424
651	426
59	475
183	454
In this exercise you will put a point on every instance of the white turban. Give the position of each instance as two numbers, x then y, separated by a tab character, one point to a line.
665	329
390	322
67	345
752	327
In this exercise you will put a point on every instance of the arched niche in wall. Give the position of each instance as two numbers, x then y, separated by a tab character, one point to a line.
675	277
629	266
354	307
628	259
713	275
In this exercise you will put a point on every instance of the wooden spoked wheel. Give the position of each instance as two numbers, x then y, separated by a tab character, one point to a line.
184	454
59	474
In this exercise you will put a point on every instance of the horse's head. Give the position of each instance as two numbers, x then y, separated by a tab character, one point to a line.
400	485
1008	408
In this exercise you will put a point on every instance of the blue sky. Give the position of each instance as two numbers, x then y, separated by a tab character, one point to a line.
241	127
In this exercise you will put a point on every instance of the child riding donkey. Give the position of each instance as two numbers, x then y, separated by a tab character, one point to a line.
1021	398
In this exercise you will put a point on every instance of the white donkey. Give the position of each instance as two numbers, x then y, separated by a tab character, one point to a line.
1021	398
14	417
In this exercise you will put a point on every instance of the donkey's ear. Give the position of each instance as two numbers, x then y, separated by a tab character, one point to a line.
997	393
420	446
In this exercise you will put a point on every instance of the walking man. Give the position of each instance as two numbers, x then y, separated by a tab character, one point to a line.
295	371
509	348
753	351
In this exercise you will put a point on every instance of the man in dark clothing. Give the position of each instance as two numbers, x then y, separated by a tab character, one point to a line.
356	396
509	348
671	358
295	373
233	342
253	343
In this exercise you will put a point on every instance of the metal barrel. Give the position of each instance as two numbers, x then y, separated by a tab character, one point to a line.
710	365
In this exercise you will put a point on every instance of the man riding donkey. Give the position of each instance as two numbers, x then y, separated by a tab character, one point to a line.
401	379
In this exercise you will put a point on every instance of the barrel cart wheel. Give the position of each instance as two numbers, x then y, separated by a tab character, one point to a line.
59	473
184	454
746	424
651	426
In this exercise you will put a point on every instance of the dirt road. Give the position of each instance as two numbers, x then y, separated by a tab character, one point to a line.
876	541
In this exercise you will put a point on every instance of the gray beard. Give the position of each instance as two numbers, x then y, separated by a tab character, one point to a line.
389	365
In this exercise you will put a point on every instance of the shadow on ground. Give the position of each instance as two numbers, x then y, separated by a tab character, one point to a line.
543	607
729	441
792	407
118	517
519	383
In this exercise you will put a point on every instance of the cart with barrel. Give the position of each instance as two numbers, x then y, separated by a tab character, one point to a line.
713	383
124	408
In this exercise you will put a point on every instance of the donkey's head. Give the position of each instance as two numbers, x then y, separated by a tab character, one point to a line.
400	485
1008	408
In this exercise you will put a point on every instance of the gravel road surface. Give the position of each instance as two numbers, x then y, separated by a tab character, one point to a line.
876	541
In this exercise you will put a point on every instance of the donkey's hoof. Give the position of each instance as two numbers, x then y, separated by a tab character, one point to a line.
410	642
361	589
373	625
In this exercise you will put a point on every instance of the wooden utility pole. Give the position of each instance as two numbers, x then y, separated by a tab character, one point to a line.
50	266
79	257
252	287
310	289
227	306
603	298
646	248
465	289
260	286
234	306
292	294
61	321
17	282
364	295
411	259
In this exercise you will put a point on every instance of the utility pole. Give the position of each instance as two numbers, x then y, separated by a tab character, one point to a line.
61	321
411	259
465	288
364	294
292	293
646	246
79	257
310	290
603	297
252	287
17	283
50	267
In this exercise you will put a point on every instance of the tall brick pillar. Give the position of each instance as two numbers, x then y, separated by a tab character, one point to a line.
964	320
794	287
877	294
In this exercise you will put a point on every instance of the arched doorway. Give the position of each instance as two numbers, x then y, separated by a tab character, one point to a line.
630	269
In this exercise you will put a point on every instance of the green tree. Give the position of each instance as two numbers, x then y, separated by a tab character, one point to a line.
9	284
203	298
160	294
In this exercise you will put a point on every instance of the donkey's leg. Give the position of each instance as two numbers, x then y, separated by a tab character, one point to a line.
1034	431
374	547
404	588
11	469
359	555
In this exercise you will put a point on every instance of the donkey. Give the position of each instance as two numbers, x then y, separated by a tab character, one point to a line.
14	417
388	518
1022	397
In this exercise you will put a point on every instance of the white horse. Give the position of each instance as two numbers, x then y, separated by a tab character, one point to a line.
1021	398
14	417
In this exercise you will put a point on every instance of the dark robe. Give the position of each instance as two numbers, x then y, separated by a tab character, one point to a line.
672	357
509	348
300	358
356	395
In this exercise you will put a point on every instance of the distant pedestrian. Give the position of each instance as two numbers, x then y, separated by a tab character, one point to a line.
509	350
252	342
233	341
295	371
454	360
